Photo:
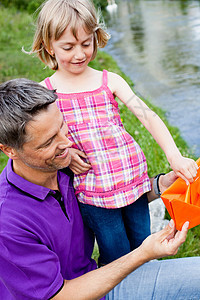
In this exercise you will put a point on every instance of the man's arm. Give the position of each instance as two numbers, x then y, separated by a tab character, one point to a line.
95	284
164	182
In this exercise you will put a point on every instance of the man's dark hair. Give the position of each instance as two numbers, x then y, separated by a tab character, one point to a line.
20	100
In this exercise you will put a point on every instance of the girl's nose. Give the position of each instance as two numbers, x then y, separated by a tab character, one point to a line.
79	53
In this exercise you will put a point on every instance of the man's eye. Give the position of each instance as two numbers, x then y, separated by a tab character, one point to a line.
86	45
48	143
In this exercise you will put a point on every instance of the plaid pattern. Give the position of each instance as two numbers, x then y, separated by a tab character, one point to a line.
118	175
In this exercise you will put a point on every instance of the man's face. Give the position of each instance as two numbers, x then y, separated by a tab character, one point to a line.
47	147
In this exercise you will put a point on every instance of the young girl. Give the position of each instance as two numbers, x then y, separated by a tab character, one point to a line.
111	178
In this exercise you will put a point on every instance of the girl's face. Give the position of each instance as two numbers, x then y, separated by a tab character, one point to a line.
73	55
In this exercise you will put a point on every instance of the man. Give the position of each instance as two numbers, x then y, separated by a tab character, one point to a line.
45	251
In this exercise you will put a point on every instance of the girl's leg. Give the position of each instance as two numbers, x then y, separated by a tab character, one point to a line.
108	226
137	221
173	279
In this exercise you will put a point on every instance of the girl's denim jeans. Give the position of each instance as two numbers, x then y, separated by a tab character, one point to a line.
120	230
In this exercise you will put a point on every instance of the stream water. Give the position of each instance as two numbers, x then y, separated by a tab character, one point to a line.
157	44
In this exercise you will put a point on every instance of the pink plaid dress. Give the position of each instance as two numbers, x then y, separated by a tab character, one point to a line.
118	175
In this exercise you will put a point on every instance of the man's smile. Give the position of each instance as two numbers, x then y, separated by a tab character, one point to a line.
64	153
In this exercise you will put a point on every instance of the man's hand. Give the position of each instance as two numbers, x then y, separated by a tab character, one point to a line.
166	180
165	242
97	283
77	165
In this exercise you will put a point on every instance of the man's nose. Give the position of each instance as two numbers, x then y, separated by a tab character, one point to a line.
68	142
64	142
64	134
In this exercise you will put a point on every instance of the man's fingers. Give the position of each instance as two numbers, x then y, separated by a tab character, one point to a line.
168	231
173	242
183	233
185	226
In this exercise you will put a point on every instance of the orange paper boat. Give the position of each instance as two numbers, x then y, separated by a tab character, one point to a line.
183	201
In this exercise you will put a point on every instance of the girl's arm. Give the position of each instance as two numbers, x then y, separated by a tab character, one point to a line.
185	168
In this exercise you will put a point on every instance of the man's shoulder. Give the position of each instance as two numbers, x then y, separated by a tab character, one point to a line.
3	182
9	198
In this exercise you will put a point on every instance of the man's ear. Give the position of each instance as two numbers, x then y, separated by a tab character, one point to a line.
9	151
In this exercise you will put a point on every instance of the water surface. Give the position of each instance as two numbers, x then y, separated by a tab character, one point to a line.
157	44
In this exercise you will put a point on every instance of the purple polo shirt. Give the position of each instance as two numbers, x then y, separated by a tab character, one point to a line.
39	245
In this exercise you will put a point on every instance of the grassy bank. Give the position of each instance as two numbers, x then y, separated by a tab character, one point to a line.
17	31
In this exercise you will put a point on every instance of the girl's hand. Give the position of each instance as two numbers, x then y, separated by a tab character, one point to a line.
186	168
165	242
77	165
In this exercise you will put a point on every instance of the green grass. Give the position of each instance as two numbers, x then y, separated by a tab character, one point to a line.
3	160
17	31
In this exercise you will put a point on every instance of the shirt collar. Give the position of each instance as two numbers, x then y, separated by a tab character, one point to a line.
22	184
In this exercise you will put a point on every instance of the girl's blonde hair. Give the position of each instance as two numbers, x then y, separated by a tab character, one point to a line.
53	19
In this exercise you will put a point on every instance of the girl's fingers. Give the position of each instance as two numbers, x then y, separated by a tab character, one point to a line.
80	163
186	169
183	177
80	153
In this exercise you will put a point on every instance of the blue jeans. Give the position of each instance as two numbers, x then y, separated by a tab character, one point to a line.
173	279
120	230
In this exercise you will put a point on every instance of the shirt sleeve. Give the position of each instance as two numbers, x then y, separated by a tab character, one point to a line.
28	269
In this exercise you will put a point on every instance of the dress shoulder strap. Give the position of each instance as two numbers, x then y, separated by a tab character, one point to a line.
105	77
48	83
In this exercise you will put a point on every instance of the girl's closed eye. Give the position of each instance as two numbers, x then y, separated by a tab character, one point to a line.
67	48
86	44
